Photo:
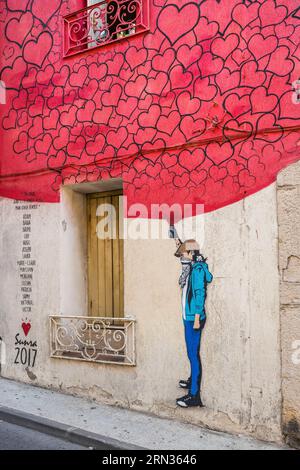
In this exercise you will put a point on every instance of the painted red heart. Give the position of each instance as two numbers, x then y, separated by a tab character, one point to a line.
237	131
56	99
205	29
58	160
36	109
244	14
97	71
142	135
219	152
203	90
271	14
163	62
191	160
21	144
60	78
223	47
135	57
185	18
268	121
187	55
240	56
153	150
11	76
115	65
62	140
9	121
127	107
102	115
261	101
260	46
8	52
78	78
17	5
169	160
192	128
180	78
26	326
76	148
186	104
50	122
37	128
18	29
87	92
237	105
245	179
182	180
280	62
198	176
251	76
289	108
218	173
43	145
227	80
153	170
136	87
111	97
213	11
117	138
209	65
45	12
95	146
149	118
44	76
36	51
167	99
168	123
20	102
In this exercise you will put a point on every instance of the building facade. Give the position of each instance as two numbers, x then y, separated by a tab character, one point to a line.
144	114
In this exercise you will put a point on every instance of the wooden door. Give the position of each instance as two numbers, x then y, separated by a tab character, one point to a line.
105	255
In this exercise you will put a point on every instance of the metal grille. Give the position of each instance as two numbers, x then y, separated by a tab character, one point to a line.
93	339
103	23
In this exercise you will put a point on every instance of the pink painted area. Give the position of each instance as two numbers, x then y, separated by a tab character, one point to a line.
199	109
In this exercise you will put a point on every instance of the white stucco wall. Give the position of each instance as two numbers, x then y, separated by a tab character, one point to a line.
240	344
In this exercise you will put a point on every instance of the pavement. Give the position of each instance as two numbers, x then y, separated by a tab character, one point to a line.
89	424
13	437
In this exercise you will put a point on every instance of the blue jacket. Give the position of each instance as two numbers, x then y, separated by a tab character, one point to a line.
196	291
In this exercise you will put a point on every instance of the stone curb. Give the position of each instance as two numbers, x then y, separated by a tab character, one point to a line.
63	431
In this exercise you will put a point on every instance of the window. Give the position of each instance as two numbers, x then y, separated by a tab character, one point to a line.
103	22
105	255
92	326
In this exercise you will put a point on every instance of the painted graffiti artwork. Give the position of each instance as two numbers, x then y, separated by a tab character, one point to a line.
197	106
193	281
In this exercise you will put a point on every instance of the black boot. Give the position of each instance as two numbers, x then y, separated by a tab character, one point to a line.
189	401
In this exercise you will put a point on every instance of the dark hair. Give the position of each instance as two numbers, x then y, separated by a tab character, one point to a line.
196	255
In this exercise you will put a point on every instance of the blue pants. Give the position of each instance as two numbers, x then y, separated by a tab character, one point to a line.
193	340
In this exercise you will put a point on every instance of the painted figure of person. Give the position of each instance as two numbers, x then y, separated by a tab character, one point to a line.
193	281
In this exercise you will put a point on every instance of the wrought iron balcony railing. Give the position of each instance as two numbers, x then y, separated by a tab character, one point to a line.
93	339
104	23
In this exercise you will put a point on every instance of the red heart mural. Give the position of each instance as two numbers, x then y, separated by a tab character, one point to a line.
17	5
36	51
202	108
43	12
26	326
18	30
